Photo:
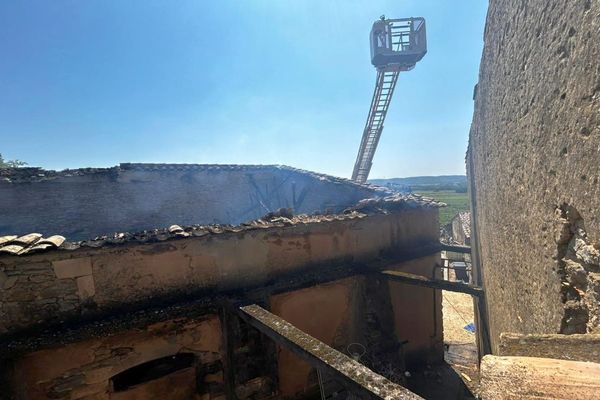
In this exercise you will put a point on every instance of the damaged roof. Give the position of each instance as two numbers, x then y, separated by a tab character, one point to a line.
35	242
29	243
36	174
464	218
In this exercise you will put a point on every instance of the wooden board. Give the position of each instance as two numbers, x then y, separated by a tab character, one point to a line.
583	347
508	378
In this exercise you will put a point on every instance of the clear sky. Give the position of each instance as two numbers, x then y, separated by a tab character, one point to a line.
99	82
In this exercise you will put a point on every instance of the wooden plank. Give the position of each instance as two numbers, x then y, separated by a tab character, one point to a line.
419	280
354	376
464	354
508	378
582	347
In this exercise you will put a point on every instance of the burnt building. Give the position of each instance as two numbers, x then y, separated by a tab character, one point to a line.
84	203
175	305
461	228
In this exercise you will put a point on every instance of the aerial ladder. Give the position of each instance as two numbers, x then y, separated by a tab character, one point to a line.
396	45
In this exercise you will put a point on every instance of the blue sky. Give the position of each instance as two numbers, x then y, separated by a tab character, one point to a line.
95	83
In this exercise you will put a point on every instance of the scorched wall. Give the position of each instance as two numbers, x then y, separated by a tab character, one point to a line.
73	322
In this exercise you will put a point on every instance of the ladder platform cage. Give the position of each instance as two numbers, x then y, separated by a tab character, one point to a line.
398	44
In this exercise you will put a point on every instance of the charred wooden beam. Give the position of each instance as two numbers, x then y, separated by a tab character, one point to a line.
354	376
418	280
456	248
228	338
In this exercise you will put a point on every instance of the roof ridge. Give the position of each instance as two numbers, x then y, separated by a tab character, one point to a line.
37	174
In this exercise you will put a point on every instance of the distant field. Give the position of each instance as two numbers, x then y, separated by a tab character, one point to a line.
450	183
456	202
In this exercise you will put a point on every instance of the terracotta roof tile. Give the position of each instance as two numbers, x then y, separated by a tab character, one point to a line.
29	243
34	242
12	249
27	239
55	240
6	239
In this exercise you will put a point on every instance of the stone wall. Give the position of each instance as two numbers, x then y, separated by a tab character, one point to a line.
394	326
423	342
338	313
83	204
73	322
49	287
84	370
330	313
534	166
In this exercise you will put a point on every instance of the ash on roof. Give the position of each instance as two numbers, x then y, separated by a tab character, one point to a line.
84	203
35	242
36	174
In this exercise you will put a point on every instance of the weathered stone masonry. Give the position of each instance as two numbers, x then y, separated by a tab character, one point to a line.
533	160
51	285
75	319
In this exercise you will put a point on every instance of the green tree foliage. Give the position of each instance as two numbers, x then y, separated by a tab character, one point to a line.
11	163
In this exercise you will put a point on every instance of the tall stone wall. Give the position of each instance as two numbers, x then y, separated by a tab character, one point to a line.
534	163
82	204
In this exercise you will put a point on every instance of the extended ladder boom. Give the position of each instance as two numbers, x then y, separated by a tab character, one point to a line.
396	45
384	89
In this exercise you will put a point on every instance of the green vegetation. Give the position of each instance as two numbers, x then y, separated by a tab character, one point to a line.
456	183
449	189
11	163
456	202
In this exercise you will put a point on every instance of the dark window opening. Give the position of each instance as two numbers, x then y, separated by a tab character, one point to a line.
151	370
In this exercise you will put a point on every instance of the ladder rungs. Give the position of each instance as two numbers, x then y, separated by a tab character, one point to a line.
384	87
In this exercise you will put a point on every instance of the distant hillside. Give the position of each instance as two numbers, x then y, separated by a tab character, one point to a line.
423	180
456	183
